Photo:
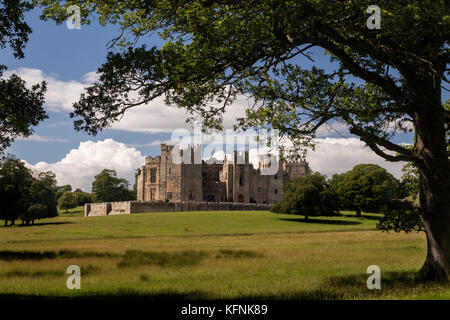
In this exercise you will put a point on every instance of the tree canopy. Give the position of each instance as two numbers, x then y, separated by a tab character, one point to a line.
67	201
20	190
309	196
367	187
20	107
385	80
107	187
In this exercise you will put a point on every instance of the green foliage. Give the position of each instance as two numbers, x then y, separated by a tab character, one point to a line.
308	196
401	215
19	191
216	51
14	31
82	197
21	107
15	182
34	212
43	192
62	189
410	180
335	180
367	187
67	201
107	187
400	220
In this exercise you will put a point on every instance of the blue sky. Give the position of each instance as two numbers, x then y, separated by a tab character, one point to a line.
65	59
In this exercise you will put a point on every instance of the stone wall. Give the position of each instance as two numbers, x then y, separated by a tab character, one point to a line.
120	208
128	207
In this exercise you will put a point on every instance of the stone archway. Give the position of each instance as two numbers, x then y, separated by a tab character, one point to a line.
241	198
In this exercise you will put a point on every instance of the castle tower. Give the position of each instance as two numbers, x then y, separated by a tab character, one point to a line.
241	173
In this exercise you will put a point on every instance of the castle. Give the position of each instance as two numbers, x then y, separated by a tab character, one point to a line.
167	179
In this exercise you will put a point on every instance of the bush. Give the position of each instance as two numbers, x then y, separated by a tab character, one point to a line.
401	215
67	201
308	196
35	211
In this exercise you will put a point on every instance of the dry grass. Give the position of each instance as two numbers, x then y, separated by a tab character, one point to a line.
227	256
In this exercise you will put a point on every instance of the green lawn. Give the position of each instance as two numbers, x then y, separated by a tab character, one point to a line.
212	255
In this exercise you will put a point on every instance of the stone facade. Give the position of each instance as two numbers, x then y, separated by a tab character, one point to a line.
129	207
164	178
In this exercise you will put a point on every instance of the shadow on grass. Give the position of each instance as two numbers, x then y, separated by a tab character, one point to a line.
371	217
230	253
363	216
136	258
394	285
39	224
389	279
17	273
322	221
63	254
124	294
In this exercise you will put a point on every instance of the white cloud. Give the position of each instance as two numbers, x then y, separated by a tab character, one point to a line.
337	155
159	117
80	165
335	128
153	117
38	138
60	94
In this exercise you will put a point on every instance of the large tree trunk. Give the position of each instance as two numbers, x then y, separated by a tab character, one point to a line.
434	169
358	212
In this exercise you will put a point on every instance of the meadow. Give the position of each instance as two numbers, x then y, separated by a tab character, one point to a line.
212	255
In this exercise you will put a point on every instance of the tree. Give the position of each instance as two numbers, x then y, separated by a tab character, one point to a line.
367	187
21	108
335	180
82	197
67	201
15	182
309	196
385	81
107	187
410	185
20	191
35	211
43	191
60	190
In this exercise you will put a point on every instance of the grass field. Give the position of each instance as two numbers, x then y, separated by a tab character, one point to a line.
212	255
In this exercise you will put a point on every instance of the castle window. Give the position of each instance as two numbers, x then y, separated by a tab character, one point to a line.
153	194
259	189
276	191
241	180
169	195
153	175
169	171
276	177
190	196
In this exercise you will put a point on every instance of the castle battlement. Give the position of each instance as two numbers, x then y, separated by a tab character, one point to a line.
165	177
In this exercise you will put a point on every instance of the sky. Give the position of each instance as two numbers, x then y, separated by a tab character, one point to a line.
68	58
